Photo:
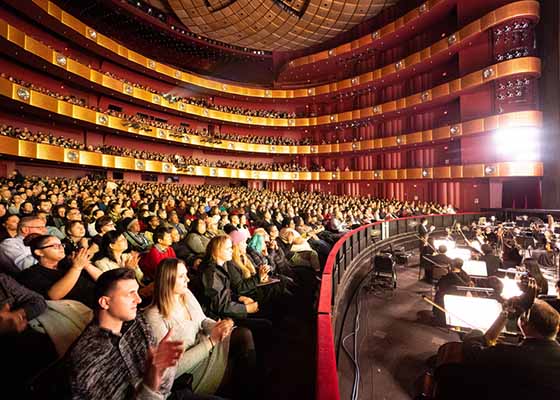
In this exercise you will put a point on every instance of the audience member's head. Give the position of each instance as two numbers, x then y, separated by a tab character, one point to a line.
31	224
116	296
541	321
170	283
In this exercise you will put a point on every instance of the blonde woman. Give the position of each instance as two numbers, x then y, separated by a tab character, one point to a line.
210	347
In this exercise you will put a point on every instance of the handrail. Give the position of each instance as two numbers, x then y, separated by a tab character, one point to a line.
327	377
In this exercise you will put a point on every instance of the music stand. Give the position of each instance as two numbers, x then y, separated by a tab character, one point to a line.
471	312
475	268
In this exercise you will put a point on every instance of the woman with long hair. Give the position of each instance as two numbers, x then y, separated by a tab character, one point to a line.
216	293
211	347
534	270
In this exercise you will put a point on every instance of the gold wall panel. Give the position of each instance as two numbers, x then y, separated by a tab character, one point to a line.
37	48
49	152
44	101
9	145
124	163
517	9
440	172
473	171
27	149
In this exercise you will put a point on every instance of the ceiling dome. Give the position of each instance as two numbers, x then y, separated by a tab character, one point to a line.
273	25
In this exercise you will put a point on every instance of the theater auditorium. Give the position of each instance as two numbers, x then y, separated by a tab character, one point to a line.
279	199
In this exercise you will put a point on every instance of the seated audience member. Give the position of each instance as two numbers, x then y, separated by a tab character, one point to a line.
136	239
8	228
182	251
76	238
96	213
534	270
210	347
112	255
24	351
196	239
51	230
529	370
173	220
493	263
160	250
15	256
152	223
117	356
301	253
58	218
217	298
337	223
55	282
102	225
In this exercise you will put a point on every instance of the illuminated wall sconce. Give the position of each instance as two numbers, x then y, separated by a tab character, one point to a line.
489	170
487	73
23	94
61	60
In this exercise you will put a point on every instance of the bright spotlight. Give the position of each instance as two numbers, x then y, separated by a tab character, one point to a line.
518	143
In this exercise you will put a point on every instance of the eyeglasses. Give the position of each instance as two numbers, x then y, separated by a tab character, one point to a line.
35	226
56	246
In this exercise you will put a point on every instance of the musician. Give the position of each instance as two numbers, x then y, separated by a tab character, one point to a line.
490	236
493	263
448	285
530	370
423	229
534	270
426	251
440	261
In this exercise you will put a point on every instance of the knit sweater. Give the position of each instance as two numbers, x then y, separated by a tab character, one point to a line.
108	366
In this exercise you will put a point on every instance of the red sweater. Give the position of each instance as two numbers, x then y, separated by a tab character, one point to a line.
151	260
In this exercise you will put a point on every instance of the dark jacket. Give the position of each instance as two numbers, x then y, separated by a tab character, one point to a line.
217	299
530	370
493	263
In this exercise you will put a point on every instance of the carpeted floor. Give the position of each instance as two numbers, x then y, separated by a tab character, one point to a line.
395	338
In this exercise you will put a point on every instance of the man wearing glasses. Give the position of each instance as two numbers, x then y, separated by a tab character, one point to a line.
15	256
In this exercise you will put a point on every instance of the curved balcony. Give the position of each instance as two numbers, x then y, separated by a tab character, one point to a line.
449	132
527	66
377	37
526	9
46	152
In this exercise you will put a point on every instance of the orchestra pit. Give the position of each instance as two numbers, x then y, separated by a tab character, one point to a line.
280	199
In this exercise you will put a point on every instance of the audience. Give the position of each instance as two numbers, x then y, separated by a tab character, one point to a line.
263	268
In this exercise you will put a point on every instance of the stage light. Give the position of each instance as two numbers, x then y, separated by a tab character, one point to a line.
518	143
511	288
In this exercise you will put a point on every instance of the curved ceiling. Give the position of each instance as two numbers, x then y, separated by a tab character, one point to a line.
273	25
